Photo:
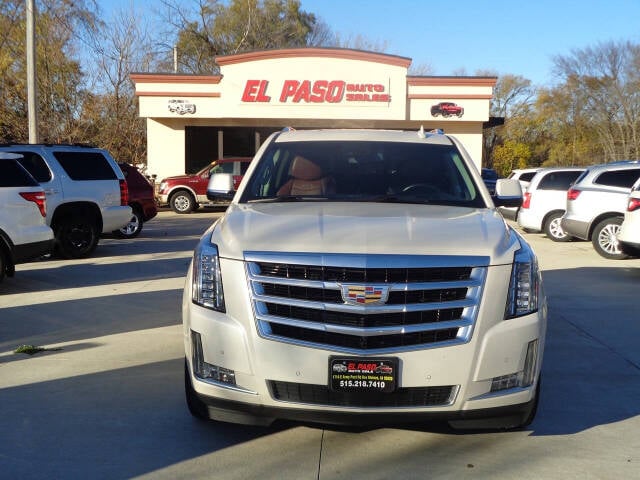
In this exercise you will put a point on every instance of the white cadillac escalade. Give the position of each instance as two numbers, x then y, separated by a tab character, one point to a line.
364	277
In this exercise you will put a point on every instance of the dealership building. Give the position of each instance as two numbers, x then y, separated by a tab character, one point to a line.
195	119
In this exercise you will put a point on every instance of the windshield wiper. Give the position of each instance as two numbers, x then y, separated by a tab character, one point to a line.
288	198
390	198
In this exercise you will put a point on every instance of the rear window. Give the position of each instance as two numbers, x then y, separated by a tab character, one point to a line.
558	180
133	176
86	165
618	178
13	175
36	166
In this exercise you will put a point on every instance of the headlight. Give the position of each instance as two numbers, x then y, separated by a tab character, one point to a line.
207	280
524	288
163	187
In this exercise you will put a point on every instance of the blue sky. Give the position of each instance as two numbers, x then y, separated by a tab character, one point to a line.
455	36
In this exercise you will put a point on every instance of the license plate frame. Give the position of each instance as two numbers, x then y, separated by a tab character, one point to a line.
363	375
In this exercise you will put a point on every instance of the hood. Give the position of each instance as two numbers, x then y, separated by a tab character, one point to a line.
364	228
179	178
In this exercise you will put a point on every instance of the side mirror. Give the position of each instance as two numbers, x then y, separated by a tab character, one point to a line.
220	187
508	193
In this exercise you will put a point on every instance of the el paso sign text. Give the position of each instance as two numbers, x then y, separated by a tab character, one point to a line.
317	91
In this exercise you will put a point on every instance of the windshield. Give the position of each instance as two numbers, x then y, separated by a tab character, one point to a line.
361	171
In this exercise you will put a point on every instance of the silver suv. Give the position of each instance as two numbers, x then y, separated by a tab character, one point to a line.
86	191
24	234
596	204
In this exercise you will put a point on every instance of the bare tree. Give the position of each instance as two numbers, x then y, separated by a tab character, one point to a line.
605	86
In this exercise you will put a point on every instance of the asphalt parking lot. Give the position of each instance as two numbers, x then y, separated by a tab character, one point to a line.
106	399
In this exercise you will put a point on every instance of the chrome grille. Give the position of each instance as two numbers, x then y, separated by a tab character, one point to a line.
432	300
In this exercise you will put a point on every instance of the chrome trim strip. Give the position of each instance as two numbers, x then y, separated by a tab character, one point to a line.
367	261
500	393
393	287
366	332
226	386
369	309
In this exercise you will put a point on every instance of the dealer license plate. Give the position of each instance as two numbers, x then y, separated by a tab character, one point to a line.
352	374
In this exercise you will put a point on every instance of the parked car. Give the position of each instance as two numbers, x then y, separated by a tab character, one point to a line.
629	233
24	234
596	204
87	193
490	177
524	176
141	200
447	109
545	201
184	193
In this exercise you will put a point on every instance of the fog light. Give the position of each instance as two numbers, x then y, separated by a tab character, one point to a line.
207	371
523	378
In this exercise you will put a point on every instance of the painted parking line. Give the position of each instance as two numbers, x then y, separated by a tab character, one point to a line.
83	293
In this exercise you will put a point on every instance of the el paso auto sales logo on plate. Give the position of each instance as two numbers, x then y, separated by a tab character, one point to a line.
316	91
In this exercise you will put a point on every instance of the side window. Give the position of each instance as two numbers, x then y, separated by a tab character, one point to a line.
618	178
36	166
85	165
558	180
13	175
527	176
222	167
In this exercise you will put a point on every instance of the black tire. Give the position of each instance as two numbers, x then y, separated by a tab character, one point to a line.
182	202
553	230
605	241
197	408
76	237
133	228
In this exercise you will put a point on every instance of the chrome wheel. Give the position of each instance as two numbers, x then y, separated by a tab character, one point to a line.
553	228
182	202
133	228
605	239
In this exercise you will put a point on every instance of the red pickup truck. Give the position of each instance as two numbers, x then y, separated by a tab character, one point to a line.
447	109
184	193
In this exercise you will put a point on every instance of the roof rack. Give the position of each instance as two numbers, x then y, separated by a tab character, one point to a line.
42	144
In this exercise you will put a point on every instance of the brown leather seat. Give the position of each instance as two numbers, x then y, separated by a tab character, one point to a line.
307	179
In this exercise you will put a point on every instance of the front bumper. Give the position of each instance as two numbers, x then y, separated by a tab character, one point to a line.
230	410
259	364
263	368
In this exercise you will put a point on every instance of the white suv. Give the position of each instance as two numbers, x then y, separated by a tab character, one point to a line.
364	276
629	234
24	235
596	204
545	201
87	193
524	176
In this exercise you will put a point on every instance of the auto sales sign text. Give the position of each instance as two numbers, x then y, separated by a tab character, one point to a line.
314	91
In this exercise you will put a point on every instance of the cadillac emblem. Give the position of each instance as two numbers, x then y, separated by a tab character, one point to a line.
365	294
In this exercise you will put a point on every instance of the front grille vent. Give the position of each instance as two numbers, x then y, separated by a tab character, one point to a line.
322	395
